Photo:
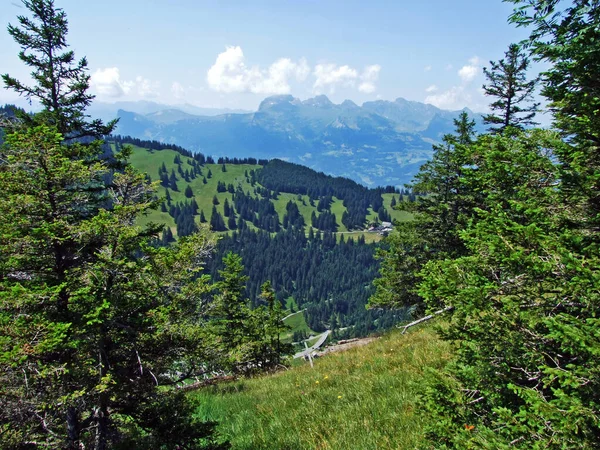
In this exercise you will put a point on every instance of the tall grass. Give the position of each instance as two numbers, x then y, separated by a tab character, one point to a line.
364	398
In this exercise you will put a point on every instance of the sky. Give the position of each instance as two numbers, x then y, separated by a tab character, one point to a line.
234	53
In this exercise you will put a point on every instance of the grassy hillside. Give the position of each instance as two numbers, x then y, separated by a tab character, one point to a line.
149	161
364	398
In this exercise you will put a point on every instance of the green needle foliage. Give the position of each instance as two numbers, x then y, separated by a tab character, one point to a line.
246	340
520	269
93	320
508	84
61	83
443	209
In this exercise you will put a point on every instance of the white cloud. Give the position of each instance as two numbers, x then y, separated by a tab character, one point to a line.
454	98
468	72
146	88
230	74
366	88
427	68
462	94
369	76
331	75
178	90
107	82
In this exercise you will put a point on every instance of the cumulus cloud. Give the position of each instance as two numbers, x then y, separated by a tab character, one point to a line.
454	98
468	72
230	74
329	76
108	83
178	90
461	95
369	76
146	88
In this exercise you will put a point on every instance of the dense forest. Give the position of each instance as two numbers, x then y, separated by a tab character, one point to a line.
331	280
99	322
104	311
506	243
281	176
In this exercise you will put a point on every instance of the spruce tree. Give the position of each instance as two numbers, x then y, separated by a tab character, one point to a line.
508	84
61	83
525	297
88	302
82	345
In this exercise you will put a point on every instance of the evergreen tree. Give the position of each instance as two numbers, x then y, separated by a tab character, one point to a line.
231	222
202	217
167	236
173	181
216	221
188	192
82	345
90	308
61	83
525	296
507	82
272	348
229	310
440	215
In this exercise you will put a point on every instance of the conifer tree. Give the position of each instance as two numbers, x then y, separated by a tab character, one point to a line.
89	304
81	344
525	297
61	83
440	215
173	181
507	83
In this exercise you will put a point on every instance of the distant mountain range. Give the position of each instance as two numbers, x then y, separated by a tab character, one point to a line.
109	111
378	143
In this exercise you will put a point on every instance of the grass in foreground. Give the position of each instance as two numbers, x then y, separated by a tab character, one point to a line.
364	398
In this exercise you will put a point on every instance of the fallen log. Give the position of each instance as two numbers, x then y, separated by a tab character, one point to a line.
426	318
206	382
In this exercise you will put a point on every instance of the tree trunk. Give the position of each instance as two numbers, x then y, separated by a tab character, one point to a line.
72	429
102	425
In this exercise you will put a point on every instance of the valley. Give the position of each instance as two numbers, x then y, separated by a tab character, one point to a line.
379	143
323	268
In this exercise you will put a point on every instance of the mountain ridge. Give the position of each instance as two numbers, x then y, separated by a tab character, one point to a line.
378	143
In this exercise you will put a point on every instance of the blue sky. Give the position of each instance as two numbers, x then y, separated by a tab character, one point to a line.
232	54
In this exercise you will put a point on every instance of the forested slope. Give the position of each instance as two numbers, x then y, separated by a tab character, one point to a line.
284	231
